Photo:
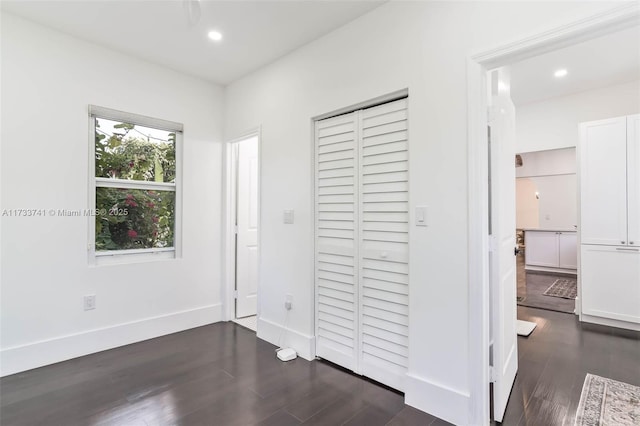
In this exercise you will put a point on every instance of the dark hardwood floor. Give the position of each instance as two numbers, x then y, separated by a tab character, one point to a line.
532	285
219	374
222	374
554	360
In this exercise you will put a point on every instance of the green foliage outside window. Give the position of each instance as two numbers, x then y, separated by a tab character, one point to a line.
134	218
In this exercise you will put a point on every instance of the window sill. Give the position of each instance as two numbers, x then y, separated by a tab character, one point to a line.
122	257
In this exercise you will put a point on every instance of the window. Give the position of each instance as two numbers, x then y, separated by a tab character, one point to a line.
135	189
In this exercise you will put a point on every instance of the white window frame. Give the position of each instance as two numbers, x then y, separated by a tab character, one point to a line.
133	255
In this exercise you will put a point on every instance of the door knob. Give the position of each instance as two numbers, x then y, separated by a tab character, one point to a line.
516	250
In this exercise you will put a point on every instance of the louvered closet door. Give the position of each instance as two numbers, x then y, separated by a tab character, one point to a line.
362	242
384	243
336	240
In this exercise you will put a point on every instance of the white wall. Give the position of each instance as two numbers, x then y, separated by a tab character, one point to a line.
527	209
552	174
48	79
553	123
422	46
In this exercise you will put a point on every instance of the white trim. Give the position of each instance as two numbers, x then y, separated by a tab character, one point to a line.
478	255
383	99
44	352
303	344
610	322
609	21
119	257
606	22
438	400
228	223
127	117
133	184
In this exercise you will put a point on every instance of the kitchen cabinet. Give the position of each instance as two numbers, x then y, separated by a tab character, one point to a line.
609	180
551	250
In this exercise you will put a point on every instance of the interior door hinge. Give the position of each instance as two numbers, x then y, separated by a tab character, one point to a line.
235	229
491	113
235	294
492	374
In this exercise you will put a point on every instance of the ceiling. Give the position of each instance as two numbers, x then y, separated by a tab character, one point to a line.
599	62
255	33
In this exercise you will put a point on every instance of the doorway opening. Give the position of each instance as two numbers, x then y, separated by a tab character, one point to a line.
492	319
243	185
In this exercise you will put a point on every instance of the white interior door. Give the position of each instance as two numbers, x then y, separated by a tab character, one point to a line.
247	228
502	269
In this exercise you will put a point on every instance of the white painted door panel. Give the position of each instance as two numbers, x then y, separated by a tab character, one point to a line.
567	250
541	248
603	182
247	236
633	179
610	282
502	266
384	238
336	248
362	238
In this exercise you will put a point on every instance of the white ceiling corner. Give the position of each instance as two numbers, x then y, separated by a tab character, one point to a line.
255	32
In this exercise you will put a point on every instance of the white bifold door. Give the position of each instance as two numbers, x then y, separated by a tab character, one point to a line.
362	241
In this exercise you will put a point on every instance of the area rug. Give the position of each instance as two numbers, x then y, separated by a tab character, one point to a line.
565	288
607	402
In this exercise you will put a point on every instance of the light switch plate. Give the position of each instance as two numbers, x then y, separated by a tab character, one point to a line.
288	217
421	216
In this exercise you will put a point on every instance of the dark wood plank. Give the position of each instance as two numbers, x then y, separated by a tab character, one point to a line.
410	416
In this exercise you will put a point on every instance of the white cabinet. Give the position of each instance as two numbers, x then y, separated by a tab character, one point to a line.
549	250
611	282
609	178
633	180
609	188
567	250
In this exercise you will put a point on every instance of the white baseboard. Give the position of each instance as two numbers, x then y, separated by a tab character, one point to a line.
437	400
37	354
303	344
609	322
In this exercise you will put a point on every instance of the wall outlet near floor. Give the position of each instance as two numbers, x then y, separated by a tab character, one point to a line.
288	302
89	302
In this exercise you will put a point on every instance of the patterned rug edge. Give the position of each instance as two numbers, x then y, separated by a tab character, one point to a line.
594	409
551	289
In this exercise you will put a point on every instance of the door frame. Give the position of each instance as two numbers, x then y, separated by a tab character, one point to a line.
606	22
229	185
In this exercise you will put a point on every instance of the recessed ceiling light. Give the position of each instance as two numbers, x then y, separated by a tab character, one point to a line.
215	35
560	73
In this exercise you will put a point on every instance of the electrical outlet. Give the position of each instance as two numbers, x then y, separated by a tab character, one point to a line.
89	302
288	302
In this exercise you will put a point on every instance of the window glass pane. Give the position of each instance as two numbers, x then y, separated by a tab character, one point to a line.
134	218
128	151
